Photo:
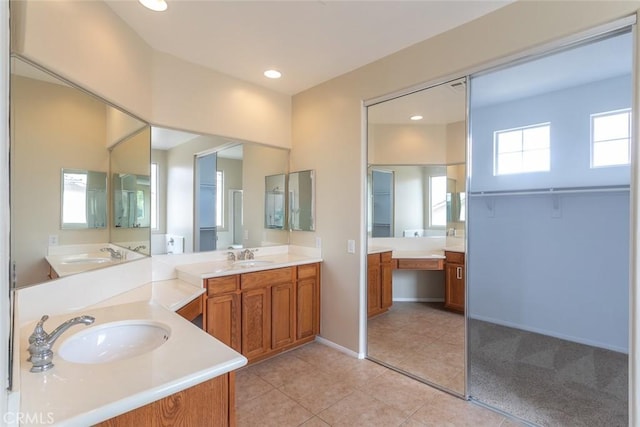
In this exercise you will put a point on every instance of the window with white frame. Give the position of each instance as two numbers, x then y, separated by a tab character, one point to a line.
154	196
521	150
610	138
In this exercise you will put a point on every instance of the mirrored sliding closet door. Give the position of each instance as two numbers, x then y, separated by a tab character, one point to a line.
416	221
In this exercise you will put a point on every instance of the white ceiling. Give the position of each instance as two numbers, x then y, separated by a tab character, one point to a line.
308	41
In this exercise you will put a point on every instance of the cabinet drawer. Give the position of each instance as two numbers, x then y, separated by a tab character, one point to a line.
385	257
454	257
307	271
421	264
220	285
261	279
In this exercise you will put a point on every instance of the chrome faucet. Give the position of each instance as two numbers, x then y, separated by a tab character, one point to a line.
114	254
246	254
231	256
40	342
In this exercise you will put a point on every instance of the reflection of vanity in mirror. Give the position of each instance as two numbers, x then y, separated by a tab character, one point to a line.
416	212
62	165
231	209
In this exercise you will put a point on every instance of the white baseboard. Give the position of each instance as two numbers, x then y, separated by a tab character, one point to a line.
418	299
338	347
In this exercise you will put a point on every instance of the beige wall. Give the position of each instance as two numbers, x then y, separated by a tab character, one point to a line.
98	51
70	134
407	144
456	142
85	42
216	104
327	120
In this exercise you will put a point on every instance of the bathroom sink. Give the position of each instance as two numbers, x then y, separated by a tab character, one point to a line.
114	341
85	261
246	263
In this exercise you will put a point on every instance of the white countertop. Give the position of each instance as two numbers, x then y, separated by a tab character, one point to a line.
175	293
194	273
83	394
65	265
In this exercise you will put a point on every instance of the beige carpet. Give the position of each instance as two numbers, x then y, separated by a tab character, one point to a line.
545	380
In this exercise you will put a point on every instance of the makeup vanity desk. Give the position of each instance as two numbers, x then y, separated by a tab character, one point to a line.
381	263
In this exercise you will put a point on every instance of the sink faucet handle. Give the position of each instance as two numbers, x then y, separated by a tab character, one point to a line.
231	256
38	331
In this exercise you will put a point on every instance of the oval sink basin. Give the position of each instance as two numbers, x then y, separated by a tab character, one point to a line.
251	263
86	261
114	341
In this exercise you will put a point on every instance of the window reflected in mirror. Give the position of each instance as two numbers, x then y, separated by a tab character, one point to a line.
84	199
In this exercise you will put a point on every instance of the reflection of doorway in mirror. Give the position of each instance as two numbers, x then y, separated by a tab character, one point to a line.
382	203
206	196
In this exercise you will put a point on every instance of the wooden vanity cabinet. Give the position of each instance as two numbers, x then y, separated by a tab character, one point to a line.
308	301
191	310
454	298
222	310
211	403
379	283
266	312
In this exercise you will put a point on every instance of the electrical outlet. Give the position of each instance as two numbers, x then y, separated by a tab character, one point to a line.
246	234
319	242
53	240
351	246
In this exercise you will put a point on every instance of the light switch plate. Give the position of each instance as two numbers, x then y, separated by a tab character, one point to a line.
53	240
351	246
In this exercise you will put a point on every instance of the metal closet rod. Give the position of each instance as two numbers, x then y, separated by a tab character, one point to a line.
566	190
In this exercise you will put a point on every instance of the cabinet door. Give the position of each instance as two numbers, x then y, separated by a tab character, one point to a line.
211	400
256	322
308	308
386	285
223	319
454	287
373	289
282	314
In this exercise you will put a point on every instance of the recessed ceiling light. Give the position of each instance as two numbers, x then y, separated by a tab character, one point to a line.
416	117
273	74
156	5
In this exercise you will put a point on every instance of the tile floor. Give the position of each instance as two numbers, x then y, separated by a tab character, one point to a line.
316	385
421	338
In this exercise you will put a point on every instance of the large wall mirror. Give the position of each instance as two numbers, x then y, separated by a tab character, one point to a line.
60	157
416	204
211	192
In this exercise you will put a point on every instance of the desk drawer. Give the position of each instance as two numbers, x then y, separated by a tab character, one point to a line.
421	264
454	257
